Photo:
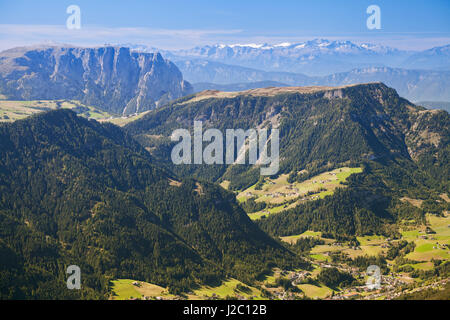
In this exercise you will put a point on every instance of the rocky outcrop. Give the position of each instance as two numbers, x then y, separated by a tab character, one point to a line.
112	78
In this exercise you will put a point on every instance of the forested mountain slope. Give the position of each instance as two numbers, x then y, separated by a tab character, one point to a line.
403	149
74	191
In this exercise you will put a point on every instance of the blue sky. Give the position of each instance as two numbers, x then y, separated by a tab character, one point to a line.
411	24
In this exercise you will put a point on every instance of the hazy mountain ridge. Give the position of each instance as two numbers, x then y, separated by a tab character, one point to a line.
219	73
201	86
435	105
112	78
314	57
436	58
422	75
415	85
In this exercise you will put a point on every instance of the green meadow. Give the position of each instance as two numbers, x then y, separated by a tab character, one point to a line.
124	289
11	110
315	292
228	288
280	195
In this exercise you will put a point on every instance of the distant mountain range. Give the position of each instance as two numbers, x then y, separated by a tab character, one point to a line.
314	58
208	71
417	76
437	58
113	78
128	80
435	105
237	86
416	85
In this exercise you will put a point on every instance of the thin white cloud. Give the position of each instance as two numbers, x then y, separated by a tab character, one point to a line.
13	35
16	34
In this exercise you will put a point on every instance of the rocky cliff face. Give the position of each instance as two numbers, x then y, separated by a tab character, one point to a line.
112	78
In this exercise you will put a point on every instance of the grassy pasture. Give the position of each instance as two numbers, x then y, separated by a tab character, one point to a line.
434	246
123	289
227	288
428	246
225	184
320	257
293	239
315	292
282	195
11	110
122	121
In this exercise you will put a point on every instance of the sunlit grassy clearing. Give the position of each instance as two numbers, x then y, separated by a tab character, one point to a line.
293	239
122	121
11	110
279	191
227	288
315	292
320	257
225	184
123	289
